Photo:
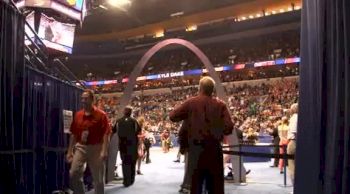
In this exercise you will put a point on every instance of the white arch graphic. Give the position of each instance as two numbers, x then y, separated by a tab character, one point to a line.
146	57
127	96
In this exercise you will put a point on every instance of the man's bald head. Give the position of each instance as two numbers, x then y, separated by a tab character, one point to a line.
206	86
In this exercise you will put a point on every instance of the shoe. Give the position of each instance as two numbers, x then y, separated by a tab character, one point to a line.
127	184
273	166
139	172
247	172
281	172
148	161
177	161
184	190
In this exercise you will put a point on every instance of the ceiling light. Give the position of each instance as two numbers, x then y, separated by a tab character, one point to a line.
119	3
281	10
251	16
244	18
103	7
290	9
258	15
191	28
267	13
274	12
297	7
159	34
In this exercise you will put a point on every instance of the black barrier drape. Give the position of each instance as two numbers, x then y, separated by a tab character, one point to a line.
11	108
46	98
322	157
32	142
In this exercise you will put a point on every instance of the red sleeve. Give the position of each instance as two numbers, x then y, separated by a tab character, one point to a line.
180	112
105	125
73	125
228	125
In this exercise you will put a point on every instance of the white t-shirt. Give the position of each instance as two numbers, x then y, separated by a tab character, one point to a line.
293	124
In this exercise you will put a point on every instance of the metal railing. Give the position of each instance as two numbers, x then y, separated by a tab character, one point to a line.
37	57
240	153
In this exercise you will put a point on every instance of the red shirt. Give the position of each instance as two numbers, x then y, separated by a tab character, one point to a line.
97	124
208	117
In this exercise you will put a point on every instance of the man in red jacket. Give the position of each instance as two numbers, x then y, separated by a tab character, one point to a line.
90	132
208	121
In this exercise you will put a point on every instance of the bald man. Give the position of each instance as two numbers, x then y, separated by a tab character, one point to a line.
208	121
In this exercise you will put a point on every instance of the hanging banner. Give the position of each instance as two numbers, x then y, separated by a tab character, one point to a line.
67	120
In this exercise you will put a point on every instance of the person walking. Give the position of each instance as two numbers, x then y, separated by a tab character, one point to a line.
128	129
89	139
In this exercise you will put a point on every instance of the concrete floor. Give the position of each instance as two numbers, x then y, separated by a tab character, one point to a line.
163	176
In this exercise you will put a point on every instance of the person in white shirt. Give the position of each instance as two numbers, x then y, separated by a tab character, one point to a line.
292	134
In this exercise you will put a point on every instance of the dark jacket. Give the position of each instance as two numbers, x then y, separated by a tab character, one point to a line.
183	137
127	129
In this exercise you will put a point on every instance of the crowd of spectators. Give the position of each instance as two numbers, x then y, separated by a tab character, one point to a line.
246	50
225	76
254	108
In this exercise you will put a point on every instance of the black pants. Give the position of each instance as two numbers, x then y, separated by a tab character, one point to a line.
147	147
276	150
205	162
128	167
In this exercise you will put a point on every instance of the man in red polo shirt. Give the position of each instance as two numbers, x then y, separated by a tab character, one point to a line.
90	132
208	120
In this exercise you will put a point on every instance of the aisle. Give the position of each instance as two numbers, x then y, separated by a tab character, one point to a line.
160	176
163	176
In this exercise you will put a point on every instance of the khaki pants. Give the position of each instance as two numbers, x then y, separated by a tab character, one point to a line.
89	154
291	163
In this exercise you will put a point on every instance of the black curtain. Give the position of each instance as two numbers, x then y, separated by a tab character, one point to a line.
322	157
46	98
32	142
11	108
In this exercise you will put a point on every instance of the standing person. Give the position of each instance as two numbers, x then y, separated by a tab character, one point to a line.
283	135
149	141
90	133
276	140
185	187
292	134
209	120
128	129
141	145
165	137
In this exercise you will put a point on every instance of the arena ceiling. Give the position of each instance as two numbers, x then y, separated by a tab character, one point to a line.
148	16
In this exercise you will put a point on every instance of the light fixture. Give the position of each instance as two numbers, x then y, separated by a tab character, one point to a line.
244	18
290	9
119	3
297	7
281	10
258	15
267	13
273	12
159	34
191	28
251	16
